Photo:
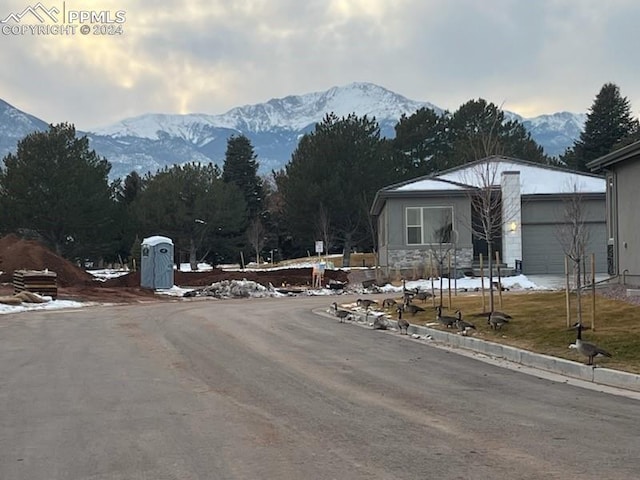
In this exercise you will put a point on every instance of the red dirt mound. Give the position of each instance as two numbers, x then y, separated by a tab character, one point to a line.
289	277
73	282
19	254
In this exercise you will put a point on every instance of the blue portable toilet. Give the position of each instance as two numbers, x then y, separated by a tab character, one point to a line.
156	265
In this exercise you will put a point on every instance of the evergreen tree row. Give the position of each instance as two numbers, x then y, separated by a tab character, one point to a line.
56	189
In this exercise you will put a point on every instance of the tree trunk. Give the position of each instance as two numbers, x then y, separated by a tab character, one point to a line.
346	253
578	290
490	261
193	258
440	276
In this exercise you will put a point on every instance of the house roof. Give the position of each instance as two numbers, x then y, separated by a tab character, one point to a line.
535	179
617	156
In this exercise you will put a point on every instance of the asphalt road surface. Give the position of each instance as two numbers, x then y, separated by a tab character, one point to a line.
268	389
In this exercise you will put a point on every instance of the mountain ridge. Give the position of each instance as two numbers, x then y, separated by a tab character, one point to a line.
150	141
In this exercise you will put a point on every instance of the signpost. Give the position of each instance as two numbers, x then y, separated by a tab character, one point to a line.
318	269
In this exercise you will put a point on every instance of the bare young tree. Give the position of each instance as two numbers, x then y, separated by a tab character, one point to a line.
256	234
486	211
487	215
442	243
323	227
573	235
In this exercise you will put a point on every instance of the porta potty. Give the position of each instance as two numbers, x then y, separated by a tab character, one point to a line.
156	265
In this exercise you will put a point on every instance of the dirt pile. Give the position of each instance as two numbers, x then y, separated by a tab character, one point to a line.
278	278
19	254
74	282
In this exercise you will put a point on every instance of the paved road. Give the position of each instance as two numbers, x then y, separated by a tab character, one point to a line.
266	389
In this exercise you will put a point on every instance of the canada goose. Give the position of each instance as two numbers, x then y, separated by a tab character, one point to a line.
402	323
587	349
445	320
341	314
407	296
462	325
422	295
388	302
413	309
365	302
379	322
496	321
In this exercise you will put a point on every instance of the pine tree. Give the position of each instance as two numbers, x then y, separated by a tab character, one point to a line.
339	166
191	204
54	185
131	187
478	129
126	227
241	168
419	143
609	123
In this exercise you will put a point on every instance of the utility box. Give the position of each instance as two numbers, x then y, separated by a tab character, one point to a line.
156	263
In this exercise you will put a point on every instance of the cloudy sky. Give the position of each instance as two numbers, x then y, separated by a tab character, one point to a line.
207	56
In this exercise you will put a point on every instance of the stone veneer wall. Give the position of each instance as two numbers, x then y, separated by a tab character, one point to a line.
417	260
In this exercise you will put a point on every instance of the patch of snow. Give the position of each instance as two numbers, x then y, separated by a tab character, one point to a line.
235	289
104	274
516	282
49	304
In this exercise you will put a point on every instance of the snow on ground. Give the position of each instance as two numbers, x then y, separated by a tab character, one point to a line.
107	273
246	289
48	304
517	282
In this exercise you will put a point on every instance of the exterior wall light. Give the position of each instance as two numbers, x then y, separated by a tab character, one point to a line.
513	226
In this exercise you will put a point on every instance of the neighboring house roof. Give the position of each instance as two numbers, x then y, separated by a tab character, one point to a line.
535	179
617	156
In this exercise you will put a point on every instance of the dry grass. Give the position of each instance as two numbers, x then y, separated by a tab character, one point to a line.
540	325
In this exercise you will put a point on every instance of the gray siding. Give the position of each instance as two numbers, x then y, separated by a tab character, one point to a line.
394	253
627	240
395	213
542	249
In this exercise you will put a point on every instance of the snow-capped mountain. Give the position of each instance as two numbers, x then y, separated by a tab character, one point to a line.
292	113
148	142
556	132
14	126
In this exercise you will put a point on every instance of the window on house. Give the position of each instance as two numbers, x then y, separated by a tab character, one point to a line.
429	225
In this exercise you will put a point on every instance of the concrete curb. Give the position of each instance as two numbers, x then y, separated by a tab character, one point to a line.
560	366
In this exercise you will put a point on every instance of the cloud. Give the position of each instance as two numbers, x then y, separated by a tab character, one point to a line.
203	56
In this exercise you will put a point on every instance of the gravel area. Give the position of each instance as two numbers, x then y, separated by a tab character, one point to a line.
619	292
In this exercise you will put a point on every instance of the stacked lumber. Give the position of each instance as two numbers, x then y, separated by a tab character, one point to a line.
43	282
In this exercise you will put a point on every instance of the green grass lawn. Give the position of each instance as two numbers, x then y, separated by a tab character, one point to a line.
540	324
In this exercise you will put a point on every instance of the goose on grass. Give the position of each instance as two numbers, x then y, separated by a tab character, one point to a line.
589	350
444	320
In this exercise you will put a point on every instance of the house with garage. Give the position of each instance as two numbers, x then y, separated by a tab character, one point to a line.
622	173
419	219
